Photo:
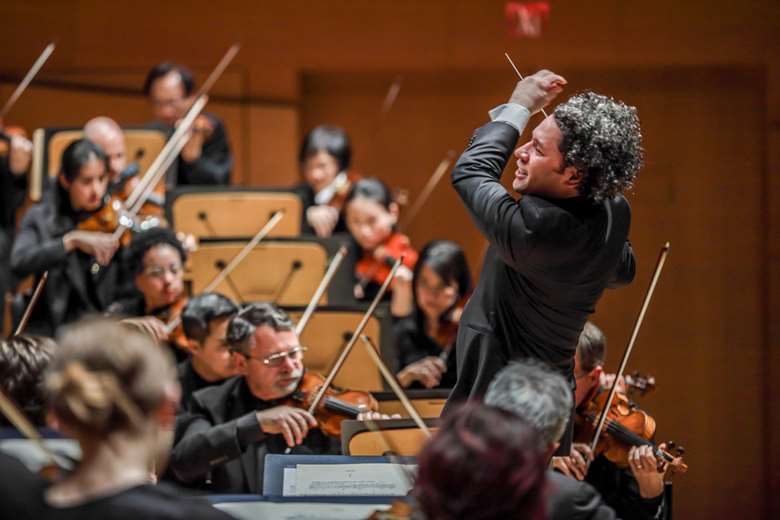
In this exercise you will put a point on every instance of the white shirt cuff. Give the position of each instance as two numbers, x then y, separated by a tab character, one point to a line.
511	113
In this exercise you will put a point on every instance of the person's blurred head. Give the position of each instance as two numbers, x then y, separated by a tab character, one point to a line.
105	132
169	87
537	395
441	278
83	178
157	258
266	350
482	464
23	361
371	213
107	381
205	321
589	361
325	152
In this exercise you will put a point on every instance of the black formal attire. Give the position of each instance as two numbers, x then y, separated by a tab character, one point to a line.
548	263
215	163
22	495
12	194
571	499
72	290
621	491
413	344
190	382
222	447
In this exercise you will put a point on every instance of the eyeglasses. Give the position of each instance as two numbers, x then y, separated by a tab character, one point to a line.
158	271
276	360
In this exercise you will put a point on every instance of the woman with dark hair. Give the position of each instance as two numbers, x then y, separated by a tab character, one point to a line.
23	360
483	464
49	240
372	215
430	308
324	159
114	391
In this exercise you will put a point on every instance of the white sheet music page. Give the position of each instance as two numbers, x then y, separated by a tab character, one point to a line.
299	510
353	479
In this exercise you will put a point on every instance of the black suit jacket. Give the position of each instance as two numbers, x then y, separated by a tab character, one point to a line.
547	265
570	499
221	445
71	290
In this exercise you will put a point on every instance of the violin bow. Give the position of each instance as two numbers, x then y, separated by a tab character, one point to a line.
512	63
627	353
31	305
427	190
353	339
407	404
240	256
36	66
324	283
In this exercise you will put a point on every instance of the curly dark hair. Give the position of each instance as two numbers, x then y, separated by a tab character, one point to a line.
145	240
23	360
603	140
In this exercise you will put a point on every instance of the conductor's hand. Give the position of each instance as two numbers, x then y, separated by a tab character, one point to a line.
427	371
100	245
292	423
536	91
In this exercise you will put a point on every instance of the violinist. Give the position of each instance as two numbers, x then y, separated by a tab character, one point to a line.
206	158
324	160
106	133
114	392
205	321
231	427
49	239
156	258
372	215
429	308
633	492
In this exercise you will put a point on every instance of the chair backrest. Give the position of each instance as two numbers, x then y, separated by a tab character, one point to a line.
402	435
326	335
284	272
233	213
49	143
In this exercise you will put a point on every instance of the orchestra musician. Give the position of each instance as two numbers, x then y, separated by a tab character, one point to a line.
231	427
371	216
106	133
23	360
112	390
49	240
632	491
324	160
427	309
554	251
206	158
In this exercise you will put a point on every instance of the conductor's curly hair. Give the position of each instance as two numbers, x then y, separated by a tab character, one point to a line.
603	140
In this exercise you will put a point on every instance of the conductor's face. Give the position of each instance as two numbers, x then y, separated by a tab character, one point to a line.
539	165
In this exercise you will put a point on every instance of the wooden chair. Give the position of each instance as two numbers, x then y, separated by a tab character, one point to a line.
49	143
329	331
233	212
286	272
427	403
404	436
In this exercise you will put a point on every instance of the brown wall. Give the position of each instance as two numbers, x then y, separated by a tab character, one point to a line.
704	75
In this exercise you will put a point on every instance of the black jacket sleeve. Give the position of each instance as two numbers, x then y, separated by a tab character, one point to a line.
215	161
626	270
34	251
509	226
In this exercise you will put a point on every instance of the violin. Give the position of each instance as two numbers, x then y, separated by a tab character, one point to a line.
626	426
176	337
336	406
107	219
203	125
375	269
154	206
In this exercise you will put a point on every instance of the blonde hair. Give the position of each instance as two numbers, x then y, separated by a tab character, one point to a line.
105	377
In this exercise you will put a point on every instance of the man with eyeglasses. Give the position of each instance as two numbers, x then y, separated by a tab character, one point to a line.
230	427
206	158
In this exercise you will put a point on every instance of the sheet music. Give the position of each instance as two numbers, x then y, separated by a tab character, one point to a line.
299	511
353	479
288	482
